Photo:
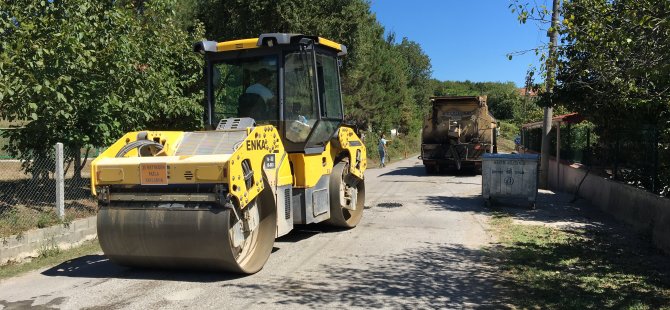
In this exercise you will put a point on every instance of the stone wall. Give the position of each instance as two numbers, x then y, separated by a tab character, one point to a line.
30	243
645	212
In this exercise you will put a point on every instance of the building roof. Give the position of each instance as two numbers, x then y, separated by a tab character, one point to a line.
531	92
570	118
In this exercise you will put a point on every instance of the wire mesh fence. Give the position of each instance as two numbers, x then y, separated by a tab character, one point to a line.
637	156
28	199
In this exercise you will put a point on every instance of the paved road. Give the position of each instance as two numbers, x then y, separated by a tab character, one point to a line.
418	246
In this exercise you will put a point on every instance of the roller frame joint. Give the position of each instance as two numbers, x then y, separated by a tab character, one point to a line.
103	195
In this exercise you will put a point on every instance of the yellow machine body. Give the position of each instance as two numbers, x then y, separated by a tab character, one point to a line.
226	169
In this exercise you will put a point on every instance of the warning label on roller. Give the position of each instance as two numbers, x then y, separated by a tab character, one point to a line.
153	174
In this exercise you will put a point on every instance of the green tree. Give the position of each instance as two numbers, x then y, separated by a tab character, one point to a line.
616	60
84	72
418	71
504	100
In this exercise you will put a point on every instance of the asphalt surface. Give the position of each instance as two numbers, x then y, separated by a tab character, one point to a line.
419	245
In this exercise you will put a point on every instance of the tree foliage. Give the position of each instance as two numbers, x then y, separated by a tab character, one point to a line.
616	60
504	100
385	83
84	72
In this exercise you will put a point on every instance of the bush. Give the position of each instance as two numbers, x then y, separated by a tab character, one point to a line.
47	219
508	130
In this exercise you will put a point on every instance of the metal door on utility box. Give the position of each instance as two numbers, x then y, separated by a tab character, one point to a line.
510	175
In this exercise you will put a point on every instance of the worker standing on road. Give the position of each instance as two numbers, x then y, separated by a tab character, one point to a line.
517	143
382	151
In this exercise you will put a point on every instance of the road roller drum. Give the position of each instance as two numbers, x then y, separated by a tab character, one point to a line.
179	235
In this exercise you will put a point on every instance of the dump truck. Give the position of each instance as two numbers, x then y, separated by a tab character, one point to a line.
275	153
456	132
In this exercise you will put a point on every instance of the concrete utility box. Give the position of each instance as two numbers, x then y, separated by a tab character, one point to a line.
510	176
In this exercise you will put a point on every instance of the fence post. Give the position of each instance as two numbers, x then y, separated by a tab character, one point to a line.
558	155
587	156
616	156
654	180
60	184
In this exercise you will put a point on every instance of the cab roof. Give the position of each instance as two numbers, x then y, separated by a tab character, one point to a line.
269	40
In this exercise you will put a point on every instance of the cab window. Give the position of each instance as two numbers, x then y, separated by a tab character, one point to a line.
329	87
300	109
246	88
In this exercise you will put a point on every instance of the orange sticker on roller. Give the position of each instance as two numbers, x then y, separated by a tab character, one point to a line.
153	174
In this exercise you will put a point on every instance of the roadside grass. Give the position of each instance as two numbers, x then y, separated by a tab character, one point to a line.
49	255
19	219
550	268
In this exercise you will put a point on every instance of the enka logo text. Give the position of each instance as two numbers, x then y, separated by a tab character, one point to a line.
253	145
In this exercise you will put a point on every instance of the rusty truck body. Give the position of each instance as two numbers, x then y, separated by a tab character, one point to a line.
457	131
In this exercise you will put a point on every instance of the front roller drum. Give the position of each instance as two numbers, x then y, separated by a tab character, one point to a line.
347	197
201	237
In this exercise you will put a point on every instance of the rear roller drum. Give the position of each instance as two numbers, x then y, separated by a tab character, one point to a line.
347	197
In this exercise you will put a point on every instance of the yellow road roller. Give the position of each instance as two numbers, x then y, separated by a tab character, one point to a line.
274	153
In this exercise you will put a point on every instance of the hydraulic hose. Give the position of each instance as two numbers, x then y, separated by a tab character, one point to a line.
137	144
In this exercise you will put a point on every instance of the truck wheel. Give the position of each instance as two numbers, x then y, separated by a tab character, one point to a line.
347	197
430	168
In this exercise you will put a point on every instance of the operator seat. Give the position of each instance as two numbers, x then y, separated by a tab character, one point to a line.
252	105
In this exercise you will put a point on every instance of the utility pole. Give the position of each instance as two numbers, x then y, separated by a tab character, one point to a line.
548	110
529	87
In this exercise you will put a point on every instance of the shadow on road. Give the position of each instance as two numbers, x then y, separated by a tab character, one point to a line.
420	171
429	276
409	171
300	233
550	208
458	203
99	266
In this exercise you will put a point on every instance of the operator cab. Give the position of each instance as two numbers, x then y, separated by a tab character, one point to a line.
290	81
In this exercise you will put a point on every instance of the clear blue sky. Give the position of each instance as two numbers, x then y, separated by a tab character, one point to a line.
465	39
